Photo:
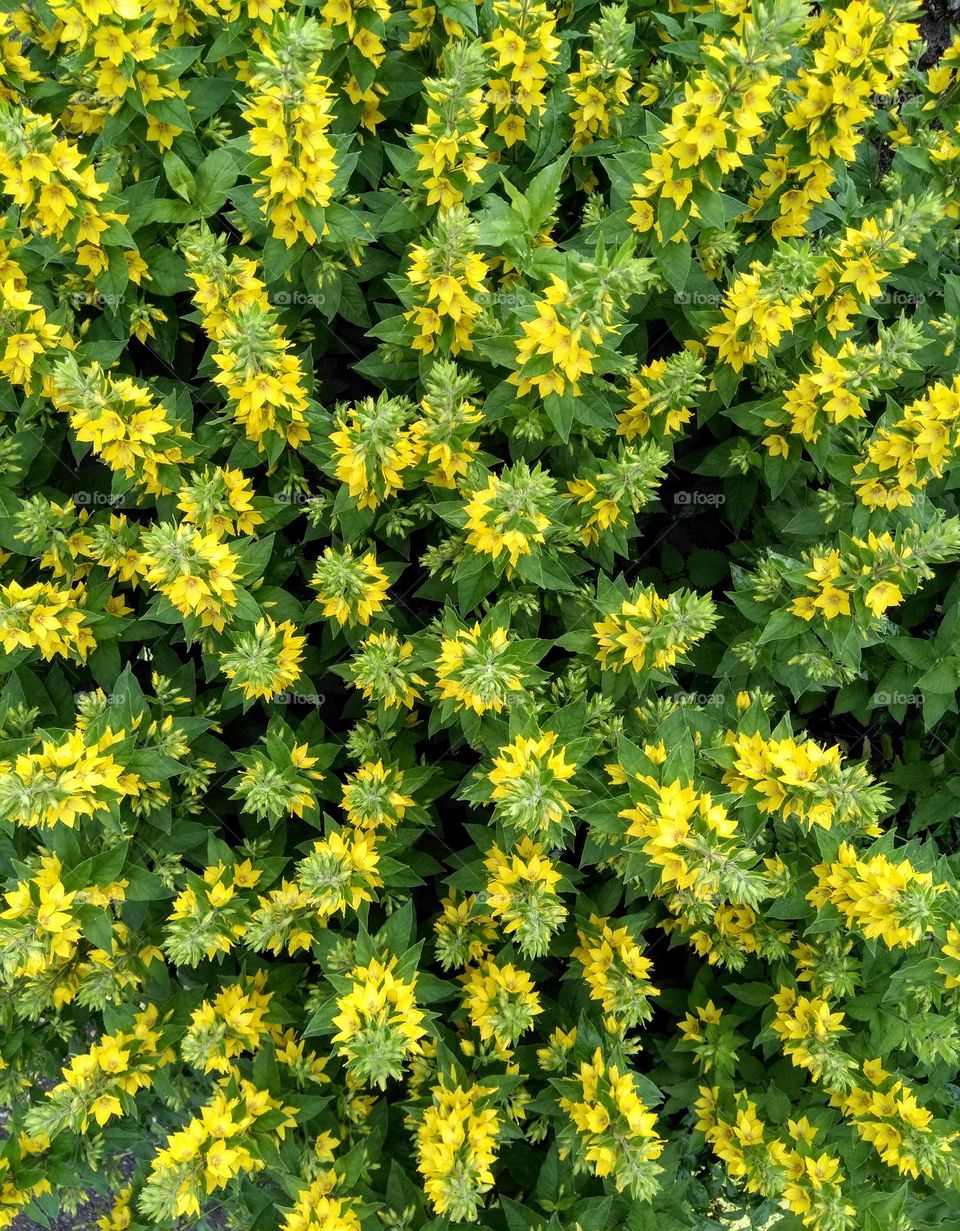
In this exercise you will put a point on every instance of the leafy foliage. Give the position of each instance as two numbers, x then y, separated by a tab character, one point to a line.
479	615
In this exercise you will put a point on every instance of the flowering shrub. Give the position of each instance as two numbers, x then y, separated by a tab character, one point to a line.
478	616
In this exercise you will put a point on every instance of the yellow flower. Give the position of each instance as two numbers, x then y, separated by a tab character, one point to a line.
833	602
65	782
529	779
883	595
266	661
477	671
509	516
616	972
501	1000
448	277
615	1130
890	901
339	874
456	1148
290	113
45	618
373	446
351	589
372	796
522	895
378	1022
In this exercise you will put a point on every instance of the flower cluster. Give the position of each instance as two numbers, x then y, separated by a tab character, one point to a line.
479	623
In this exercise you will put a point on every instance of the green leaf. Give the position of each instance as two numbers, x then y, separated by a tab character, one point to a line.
674	261
541	195
215	176
179	176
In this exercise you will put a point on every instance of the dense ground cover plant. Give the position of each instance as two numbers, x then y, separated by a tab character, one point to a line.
478	618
